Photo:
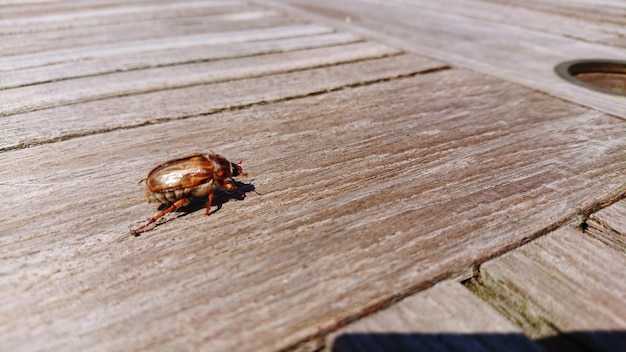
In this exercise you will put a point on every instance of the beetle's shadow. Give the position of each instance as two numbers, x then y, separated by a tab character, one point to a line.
220	197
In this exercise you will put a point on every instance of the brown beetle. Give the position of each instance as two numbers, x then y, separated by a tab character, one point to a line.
176	181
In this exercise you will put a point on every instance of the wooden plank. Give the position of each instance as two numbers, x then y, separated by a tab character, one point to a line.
56	15
176	56
85	89
447	317
367	194
609	225
128	49
600	11
564	282
44	126
41	42
586	22
12	9
430	28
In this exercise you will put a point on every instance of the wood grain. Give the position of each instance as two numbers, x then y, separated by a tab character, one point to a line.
39	42
564	281
608	12
205	48
16	9
126	50
609	225
447	317
30	17
587	21
366	194
85	89
486	43
49	125
374	174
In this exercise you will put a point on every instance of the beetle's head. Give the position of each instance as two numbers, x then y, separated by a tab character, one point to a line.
235	169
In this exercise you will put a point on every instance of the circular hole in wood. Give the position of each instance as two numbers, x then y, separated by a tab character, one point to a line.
606	76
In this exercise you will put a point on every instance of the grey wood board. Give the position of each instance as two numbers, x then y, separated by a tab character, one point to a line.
116	84
587	23
570	281
600	11
366	194
446	317
168	55
512	53
56	15
127	49
52	124
12	9
40	42
609	225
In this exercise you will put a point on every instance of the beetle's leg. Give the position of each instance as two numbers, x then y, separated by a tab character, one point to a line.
231	187
245	174
209	202
179	203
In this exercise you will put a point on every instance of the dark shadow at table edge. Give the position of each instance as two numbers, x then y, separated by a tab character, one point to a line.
401	342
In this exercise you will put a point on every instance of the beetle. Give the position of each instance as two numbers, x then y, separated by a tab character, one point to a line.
176	181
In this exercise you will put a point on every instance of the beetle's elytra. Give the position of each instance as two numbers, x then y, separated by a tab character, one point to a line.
176	181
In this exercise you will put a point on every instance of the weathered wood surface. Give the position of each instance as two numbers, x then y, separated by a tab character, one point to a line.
379	173
44	16
496	41
563	282
447	317
609	225
362	199
600	20
24	43
69	92
123	52
49	125
67	64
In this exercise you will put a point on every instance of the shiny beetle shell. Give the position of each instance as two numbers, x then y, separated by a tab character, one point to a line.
196	174
175	181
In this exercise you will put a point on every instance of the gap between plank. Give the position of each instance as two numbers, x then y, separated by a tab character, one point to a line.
525	318
578	220
195	61
317	342
230	108
174	87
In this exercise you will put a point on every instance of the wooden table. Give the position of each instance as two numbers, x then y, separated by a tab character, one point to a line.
419	177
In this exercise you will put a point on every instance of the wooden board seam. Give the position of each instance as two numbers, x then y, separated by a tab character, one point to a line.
529	323
577	220
600	229
218	81
318	340
601	205
594	100
554	298
195	61
218	110
32	60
